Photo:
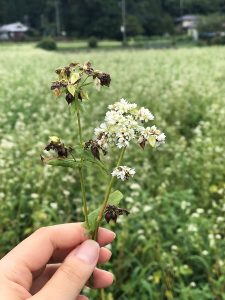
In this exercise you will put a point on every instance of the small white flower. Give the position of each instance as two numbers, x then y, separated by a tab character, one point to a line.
2	195
66	193
221	263
145	115
192	228
147	208
160	139
220	219
141	237
129	200
34	196
200	210
54	205
195	215
184	204
193	284
205	252
123	106
123	172
135	186
134	210
174	248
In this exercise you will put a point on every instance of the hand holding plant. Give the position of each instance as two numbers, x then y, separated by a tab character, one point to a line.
124	124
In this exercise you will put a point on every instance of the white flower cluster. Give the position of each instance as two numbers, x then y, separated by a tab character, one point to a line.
152	132
123	123
123	172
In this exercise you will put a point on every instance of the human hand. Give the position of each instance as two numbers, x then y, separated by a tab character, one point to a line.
55	262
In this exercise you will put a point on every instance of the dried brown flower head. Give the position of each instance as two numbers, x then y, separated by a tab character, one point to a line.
112	212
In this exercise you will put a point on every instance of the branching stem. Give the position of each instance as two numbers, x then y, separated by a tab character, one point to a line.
106	198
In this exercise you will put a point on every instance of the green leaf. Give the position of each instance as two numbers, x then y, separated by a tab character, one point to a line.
84	95
152	141
74	77
114	199
71	88
67	163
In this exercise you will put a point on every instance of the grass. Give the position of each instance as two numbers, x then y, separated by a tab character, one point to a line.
172	244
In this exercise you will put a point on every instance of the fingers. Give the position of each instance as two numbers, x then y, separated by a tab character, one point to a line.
72	275
37	249
46	275
102	279
42	279
104	255
105	237
81	297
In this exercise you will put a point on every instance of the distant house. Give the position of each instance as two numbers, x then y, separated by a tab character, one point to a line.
187	22
15	31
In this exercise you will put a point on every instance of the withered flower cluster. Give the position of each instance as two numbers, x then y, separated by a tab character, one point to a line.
72	81
112	212
95	148
59	147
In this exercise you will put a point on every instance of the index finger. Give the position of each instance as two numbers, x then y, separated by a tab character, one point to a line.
37	249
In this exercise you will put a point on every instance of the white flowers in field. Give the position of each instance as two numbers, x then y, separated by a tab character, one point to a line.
123	172
124	123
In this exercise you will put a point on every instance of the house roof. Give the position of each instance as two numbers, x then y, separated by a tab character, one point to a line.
14	27
187	18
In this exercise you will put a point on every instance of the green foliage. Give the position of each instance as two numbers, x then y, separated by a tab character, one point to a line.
211	23
102	18
47	43
92	42
172	243
133	26
114	199
218	40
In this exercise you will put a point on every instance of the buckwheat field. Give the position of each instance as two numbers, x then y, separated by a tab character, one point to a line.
171	246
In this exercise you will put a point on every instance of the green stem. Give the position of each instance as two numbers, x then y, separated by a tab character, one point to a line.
79	124
86	84
107	194
102	294
82	84
84	198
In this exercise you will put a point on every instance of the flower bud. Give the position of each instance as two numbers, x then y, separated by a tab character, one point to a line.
69	98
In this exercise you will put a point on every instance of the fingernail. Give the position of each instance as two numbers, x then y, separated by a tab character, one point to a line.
88	251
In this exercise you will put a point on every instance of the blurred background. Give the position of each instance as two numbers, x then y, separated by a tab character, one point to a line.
167	55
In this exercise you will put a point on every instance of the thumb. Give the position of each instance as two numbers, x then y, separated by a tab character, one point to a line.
73	274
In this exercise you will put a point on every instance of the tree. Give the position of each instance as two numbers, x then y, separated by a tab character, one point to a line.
101	18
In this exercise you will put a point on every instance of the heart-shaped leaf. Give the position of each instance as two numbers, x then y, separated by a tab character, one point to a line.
67	163
152	141
71	88
74	78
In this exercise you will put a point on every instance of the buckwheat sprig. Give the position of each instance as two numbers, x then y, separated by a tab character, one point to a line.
72	82
123	124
